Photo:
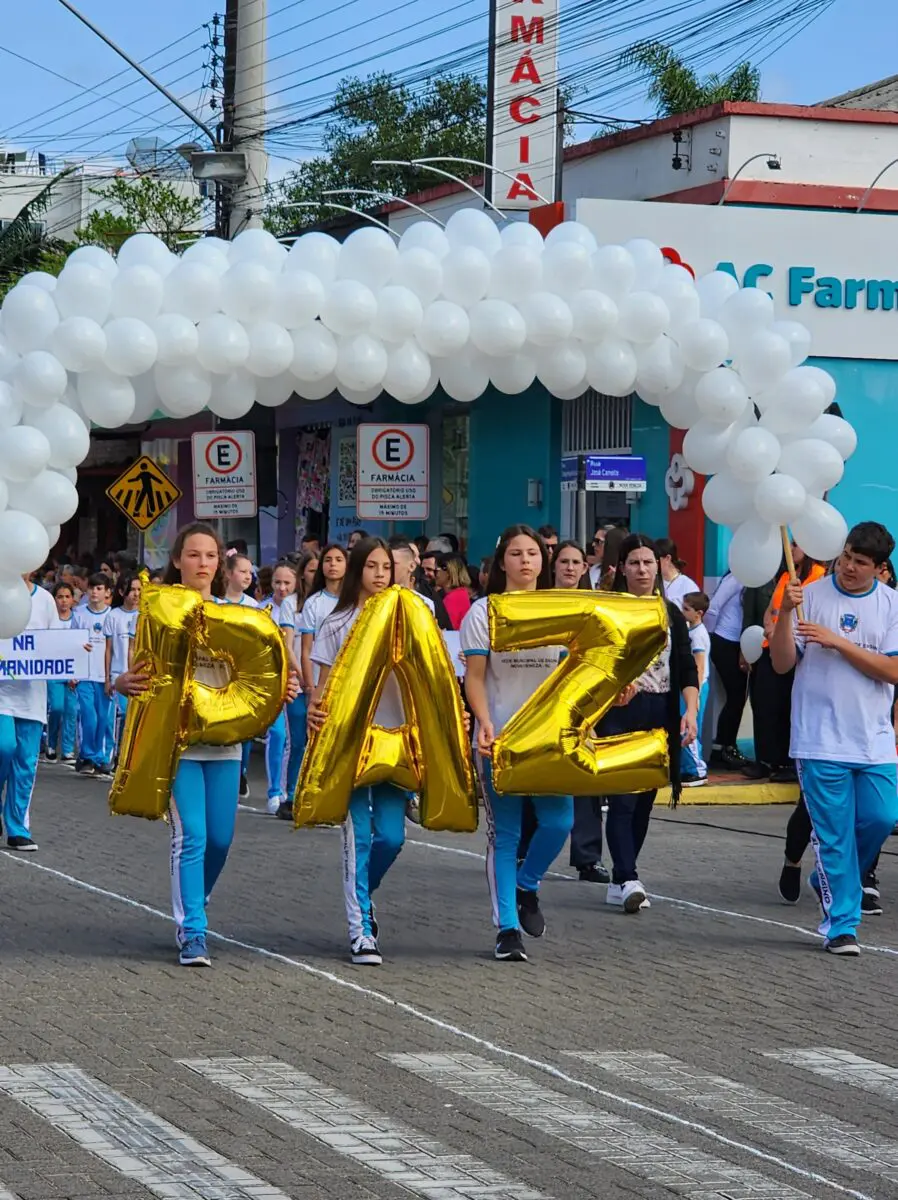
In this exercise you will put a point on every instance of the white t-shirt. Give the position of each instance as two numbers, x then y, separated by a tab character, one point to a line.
119	629
512	676
244	601
318	606
27	698
94	625
724	617
678	588
839	714
700	642
331	635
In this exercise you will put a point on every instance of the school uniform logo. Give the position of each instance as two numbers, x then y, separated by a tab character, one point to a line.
98	626
847	623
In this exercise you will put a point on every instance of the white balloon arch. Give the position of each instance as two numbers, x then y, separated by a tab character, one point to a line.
231	324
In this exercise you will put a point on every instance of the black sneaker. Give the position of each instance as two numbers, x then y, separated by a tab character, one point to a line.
50	755
82	764
532	920
102	770
24	844
244	786
790	883
693	780
597	873
285	811
871	904
784	775
845	944
732	759
755	770
364	952
510	946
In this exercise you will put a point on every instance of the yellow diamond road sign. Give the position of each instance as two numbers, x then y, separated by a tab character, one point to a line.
143	492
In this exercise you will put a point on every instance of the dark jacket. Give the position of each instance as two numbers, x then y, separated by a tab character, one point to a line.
755	602
683	674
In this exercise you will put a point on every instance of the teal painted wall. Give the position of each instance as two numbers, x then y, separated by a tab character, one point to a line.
651	439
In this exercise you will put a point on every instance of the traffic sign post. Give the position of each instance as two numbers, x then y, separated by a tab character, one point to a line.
143	493
224	475
393	472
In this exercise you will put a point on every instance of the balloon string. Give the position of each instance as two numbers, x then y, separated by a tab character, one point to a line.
790	563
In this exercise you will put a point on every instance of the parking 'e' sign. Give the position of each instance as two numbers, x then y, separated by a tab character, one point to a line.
224	474
393	472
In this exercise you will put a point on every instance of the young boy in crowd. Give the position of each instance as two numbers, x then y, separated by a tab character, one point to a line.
695	605
95	707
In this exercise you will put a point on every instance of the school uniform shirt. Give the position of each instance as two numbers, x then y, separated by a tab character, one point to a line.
244	601
119	629
678	588
318	606
512	676
325	648
700	642
27	698
724	616
839	714
93	624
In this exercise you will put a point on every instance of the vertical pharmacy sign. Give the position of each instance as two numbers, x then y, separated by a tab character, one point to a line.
524	105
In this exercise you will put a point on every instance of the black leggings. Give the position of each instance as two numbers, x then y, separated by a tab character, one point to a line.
725	657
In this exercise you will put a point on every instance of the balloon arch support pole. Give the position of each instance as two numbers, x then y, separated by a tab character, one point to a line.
790	562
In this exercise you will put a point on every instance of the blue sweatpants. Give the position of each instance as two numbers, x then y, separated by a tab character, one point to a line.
246	751
373	835
297	714
20	746
853	809
203	812
692	761
97	714
119	712
555	819
62	717
276	755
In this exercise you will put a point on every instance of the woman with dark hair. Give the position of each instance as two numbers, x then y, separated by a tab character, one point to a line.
454	582
497	684
676	584
374	829
569	566
655	704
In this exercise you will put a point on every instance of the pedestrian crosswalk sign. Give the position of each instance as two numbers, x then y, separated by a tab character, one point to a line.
143	492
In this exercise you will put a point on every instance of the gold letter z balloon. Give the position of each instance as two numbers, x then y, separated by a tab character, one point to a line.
176	632
430	754
549	747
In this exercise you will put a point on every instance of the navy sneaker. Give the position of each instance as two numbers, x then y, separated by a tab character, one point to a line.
510	946
194	953
845	944
24	845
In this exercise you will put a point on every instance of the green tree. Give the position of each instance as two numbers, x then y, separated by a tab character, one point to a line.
144	205
674	87
25	244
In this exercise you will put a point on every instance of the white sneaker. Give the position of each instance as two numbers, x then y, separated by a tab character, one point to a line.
615	895
274	803
364	952
633	896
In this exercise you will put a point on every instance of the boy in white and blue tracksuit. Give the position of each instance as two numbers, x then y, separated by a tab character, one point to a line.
118	629
693	767
276	750
845	646
95	707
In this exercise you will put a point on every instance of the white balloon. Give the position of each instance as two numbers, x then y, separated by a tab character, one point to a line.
183	390
820	530
660	366
146	250
780	498
296	299
728	501
247	291
95	256
676	287
705	446
746	311
316	253
613	271
9	360
270	350
611	367
517	271
522	233
444	330
513	374
762	359
799	338
49	496
471	227
131	346
424	235
794	402
70	473
223	344
4	495
753	454
562	367
408	370
83	291
548	318
703	343
314	353
751	643
679	408
721	396
40	379
714	289
349	307
642	317
465	376
816	464
72	401
176	338
24	453
15	604
11	406
824	379
497	328
233	395
40	279
192	290
755	552
146	399
369	255
260	247
107	399
572	231
837	431
429	388
420	271
79	343
28	317
361	362
316	391
567	267
137	292
648	260
399	313
271	393
211	252
466	275
594	315
366	396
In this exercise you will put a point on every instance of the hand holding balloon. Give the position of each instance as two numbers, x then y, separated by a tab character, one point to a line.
132	683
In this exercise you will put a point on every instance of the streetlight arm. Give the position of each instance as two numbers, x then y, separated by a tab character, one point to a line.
866	194
754	158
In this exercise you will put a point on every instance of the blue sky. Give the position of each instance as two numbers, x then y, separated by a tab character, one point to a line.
312	43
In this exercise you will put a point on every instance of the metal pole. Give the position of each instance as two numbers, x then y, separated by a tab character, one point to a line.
581	501
559	146
249	114
490	101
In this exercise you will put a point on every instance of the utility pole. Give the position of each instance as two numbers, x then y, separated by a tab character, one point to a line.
244	107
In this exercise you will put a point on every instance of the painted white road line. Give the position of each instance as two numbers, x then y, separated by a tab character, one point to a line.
843	1067
392	1149
807	1128
609	1137
436	1022
130	1139
5	1195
